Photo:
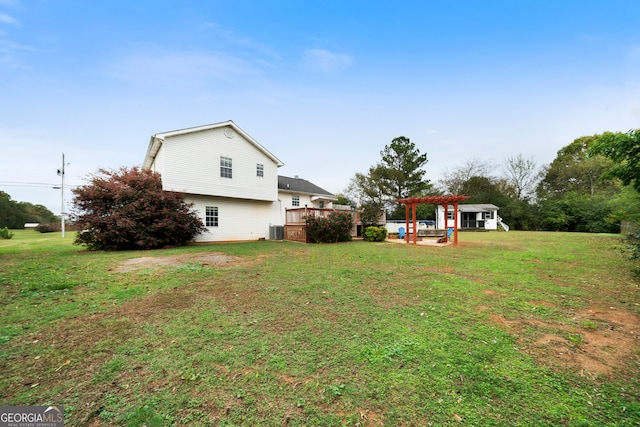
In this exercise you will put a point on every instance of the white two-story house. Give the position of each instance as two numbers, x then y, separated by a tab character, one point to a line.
231	179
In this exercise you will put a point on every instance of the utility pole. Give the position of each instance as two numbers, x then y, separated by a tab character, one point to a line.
61	174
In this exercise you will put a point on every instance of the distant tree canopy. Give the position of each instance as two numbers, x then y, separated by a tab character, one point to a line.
343	200
624	150
398	175
127	209
575	170
16	214
521	174
454	180
576	191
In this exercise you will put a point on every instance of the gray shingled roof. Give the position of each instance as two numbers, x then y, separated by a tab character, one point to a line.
478	207
299	185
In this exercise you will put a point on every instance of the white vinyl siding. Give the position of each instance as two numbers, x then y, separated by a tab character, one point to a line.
191	165
237	219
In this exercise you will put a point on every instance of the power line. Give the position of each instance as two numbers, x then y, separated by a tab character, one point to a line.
34	184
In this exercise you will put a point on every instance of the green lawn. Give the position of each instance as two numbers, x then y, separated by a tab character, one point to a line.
518	328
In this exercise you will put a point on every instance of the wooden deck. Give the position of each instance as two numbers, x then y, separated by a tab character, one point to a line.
295	226
295	233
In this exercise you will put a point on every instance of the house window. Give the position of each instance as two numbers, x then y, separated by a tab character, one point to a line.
449	215
487	215
259	169
211	216
295	200
321	204
226	167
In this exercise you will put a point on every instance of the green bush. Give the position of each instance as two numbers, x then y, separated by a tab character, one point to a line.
335	228
127	209
633	243
375	234
5	233
45	228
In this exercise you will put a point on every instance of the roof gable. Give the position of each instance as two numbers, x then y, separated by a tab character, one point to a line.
158	139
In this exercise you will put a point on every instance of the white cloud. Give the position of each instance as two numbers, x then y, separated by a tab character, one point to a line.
180	68
8	53
6	19
324	60
240	41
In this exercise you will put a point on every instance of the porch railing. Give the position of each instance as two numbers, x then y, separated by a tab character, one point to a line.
295	229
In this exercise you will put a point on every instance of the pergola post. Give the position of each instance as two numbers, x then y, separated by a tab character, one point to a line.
446	221
406	218
455	223
415	225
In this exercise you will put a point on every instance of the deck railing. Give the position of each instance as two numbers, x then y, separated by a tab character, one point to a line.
294	227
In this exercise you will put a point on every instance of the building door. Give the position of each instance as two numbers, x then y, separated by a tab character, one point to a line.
469	220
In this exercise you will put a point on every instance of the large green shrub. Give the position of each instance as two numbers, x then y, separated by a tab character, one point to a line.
127	209
46	228
335	228
5	233
375	234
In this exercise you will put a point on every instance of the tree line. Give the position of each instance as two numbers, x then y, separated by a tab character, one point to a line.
14	214
591	185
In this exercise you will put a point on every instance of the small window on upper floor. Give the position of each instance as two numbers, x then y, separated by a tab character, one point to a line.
259	169
321	204
226	167
295	200
487	215
449	215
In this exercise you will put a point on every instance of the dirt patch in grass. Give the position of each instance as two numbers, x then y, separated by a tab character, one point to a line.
56	357
156	306
213	258
594	341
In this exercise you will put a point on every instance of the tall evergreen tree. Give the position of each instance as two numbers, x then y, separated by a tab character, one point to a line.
402	168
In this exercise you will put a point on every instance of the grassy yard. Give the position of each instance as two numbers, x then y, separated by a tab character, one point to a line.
517	328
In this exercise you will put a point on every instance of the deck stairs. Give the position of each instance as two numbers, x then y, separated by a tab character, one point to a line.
504	226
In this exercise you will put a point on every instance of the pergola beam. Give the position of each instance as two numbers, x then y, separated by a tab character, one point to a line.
411	203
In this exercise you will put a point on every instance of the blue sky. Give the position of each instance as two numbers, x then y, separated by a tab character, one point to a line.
324	85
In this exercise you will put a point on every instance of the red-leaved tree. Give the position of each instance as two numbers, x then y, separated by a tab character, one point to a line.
128	209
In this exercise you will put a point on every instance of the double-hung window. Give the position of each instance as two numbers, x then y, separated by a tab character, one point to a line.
211	216
259	170
226	167
295	200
